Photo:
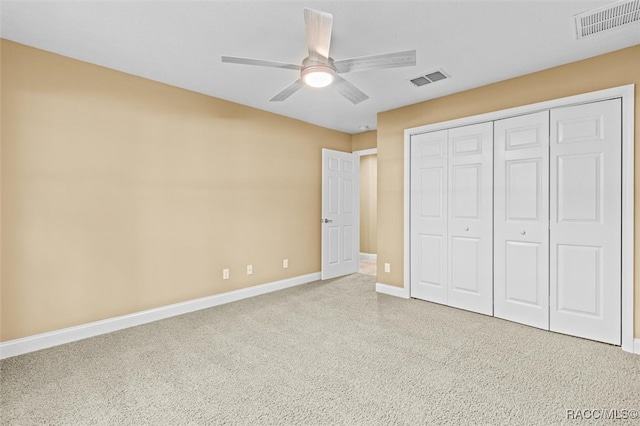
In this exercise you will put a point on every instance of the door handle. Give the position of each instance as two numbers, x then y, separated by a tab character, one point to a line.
466	228
523	232
326	220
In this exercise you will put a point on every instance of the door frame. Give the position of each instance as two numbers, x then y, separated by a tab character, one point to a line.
364	152
626	93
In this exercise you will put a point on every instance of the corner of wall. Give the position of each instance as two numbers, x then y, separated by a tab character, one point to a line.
364	140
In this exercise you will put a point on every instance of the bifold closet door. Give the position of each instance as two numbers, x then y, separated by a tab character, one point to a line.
429	216
451	217
521	219
585	225
470	212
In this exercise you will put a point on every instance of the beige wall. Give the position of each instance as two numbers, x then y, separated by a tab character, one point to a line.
368	191
365	140
610	70
368	204
121	194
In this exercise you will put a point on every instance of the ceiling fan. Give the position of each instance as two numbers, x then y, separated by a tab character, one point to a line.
320	70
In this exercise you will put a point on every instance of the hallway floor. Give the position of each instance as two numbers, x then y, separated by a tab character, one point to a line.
368	266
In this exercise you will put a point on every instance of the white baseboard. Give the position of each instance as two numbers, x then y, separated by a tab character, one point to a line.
66	335
392	290
636	346
370	256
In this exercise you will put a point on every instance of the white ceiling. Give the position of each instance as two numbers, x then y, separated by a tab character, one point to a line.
180	43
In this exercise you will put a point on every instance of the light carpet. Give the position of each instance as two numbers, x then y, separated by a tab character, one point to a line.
332	352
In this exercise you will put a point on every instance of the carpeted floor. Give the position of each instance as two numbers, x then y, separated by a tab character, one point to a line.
331	352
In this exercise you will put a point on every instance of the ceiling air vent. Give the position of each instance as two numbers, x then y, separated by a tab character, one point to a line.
607	17
431	77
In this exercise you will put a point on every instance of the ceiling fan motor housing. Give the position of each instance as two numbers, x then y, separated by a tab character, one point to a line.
318	72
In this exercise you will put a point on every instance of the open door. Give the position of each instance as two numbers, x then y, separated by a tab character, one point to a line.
340	213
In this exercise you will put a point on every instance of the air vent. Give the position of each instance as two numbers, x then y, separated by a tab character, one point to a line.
607	17
420	81
431	77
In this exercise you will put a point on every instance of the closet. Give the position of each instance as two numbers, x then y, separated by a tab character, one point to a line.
521	218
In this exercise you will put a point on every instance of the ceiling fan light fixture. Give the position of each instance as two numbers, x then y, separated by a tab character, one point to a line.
318	76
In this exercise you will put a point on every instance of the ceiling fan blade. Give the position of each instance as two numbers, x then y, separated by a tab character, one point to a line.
318	32
260	62
349	91
386	60
288	91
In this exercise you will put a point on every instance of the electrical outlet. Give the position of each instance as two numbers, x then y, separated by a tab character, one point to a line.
387	267
249	269
225	274
285	263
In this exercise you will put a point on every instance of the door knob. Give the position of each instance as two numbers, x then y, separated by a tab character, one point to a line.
523	232
326	220
466	228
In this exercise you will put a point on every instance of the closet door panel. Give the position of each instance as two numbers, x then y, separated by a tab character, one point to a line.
585	272
465	271
521	217
429	216
470	215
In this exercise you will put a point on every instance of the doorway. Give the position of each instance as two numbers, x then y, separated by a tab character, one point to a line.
368	211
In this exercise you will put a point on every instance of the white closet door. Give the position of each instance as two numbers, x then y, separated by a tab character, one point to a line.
585	235
471	218
429	216
521	219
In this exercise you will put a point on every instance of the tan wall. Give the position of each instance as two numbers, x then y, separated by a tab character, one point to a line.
601	72
121	194
368	204
365	140
368	191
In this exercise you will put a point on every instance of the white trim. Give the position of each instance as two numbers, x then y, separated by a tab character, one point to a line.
71	334
362	152
627	94
392	290
370	256
407	212
636	346
628	217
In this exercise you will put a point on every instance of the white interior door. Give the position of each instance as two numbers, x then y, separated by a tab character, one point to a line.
429	216
521	219
340	213
470	224
585	257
